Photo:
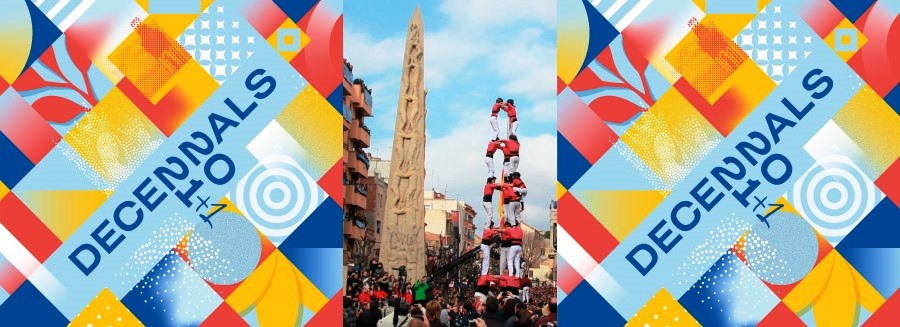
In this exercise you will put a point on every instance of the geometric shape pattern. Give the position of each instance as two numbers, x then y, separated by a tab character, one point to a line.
28	307
706	57
889	182
319	230
739	98
226	251
662	309
731	6
305	119
171	294
852	9
671	138
220	41
878	63
27	130
289	39
585	299
275	292
777	41
845	39
277	194
858	117
114	138
105	310
15	164
729	294
590	136
834	196
834	292
317	272
174	6
149	57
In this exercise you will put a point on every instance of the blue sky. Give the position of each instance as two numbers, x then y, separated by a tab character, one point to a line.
475	51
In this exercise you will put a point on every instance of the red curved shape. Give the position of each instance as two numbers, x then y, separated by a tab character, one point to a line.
57	109
614	109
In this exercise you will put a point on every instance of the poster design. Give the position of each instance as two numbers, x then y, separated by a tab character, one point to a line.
170	163
729	163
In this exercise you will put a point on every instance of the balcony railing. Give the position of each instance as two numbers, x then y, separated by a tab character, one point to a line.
362	157
367	94
348	75
347	113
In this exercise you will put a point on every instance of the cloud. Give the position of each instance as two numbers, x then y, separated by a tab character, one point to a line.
457	159
371	56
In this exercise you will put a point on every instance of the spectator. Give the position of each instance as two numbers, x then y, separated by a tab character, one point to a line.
433	314
421	289
490	315
550	313
369	317
349	312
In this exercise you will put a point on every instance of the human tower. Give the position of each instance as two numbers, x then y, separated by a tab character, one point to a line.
508	233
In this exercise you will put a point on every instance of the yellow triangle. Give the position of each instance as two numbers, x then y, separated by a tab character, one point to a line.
105	310
662	310
3	190
621	211
63	211
560	190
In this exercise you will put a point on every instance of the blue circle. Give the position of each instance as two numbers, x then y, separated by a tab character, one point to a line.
783	252
227	252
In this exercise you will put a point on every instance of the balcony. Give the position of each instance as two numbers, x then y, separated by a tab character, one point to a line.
347	112
354	198
358	163
361	133
361	98
348	75
352	231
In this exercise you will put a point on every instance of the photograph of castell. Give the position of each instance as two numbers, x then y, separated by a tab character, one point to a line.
436	228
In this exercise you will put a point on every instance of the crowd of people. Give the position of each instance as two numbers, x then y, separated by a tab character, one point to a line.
374	295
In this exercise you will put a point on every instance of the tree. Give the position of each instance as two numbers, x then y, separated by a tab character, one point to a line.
532	249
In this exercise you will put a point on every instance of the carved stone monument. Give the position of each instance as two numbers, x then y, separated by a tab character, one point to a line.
403	241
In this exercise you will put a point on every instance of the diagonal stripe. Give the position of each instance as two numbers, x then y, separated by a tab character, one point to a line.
57	8
637	10
615	7
79	10
16	253
576	256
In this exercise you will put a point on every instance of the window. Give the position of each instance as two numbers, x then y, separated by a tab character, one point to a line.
378	226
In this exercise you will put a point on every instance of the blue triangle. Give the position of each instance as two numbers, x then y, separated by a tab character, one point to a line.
893	99
319	265
570	162
853	9
295	9
28	307
336	99
585	307
876	230
14	165
602	33
322	229
44	33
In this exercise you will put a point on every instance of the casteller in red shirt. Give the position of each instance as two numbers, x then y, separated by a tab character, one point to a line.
512	147
510	109
380	295
496	108
515	235
409	297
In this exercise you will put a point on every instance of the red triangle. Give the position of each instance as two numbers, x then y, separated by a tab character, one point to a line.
781	316
584	228
331	182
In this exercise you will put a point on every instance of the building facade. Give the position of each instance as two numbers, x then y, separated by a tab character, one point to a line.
357	105
460	227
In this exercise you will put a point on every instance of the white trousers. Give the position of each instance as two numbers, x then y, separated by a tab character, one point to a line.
504	254
515	254
513	211
486	259
510	166
495	127
526	294
489	162
513	127
489	210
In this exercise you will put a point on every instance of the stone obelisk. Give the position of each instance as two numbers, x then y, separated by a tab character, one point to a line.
403	241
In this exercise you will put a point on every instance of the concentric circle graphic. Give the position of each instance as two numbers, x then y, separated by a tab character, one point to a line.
834	195
277	195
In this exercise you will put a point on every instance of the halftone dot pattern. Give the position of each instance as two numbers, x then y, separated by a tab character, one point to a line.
728	230
105	310
783	252
226	252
